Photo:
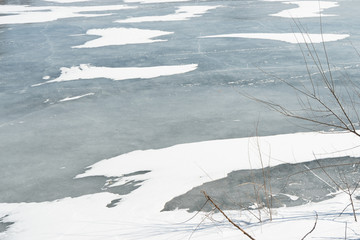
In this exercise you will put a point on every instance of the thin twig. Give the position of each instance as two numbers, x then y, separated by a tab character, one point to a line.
351	201
230	221
313	228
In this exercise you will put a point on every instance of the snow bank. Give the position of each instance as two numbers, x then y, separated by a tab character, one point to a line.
285	37
175	170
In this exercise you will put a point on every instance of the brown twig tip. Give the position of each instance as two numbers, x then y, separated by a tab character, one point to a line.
313	228
230	221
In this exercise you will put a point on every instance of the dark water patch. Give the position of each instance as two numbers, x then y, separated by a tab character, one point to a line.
286	185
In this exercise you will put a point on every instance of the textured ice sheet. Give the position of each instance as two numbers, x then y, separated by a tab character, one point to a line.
290	185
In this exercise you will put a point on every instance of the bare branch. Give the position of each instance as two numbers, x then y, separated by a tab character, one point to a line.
230	221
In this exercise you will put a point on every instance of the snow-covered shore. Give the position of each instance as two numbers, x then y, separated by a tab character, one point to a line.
173	171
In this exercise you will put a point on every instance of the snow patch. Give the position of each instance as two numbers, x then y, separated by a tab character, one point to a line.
286	37
20	14
76	97
67	1
292	197
183	13
86	71
122	36
306	9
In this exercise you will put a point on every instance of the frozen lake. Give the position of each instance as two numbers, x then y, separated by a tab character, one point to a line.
46	141
82	81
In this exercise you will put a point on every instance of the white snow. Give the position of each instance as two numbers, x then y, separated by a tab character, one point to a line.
174	171
20	14
179	168
76	97
306	9
285	37
122	36
292	197
181	14
86	71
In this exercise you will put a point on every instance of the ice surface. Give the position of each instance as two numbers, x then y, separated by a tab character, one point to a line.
290	185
